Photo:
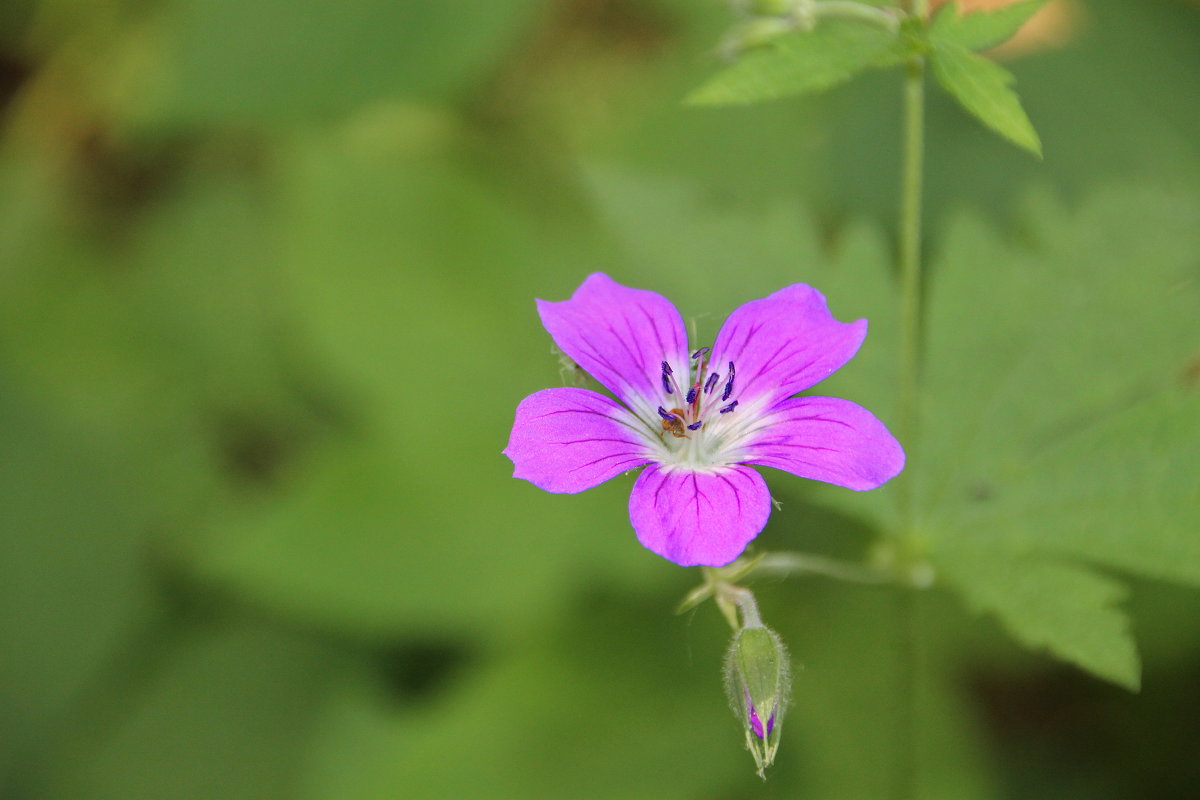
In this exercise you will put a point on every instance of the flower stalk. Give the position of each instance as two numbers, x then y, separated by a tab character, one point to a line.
909	651
909	248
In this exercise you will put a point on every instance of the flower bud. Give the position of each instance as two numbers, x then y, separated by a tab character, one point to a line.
758	682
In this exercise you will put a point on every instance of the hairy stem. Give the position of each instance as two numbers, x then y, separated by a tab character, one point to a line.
908	628
743	598
909	246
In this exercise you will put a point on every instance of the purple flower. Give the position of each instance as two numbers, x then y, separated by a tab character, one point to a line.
698	418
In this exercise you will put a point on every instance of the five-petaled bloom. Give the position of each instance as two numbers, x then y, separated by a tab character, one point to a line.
698	418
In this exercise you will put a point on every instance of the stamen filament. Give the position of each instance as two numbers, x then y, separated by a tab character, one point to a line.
668	380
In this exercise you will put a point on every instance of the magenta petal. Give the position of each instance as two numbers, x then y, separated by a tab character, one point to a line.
566	440
696	518
827	439
755	723
620	336
784	343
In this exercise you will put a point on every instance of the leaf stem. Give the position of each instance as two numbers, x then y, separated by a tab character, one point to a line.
791	563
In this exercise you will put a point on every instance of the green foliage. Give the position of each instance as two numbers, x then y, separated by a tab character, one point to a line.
1068	610
350	537
980	30
998	466
983	88
1072	436
269	61
226	712
980	85
511	728
778	65
799	63
261	336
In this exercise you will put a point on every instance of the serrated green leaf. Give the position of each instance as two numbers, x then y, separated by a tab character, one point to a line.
1074	434
983	88
801	63
1070	611
1123	491
1052	432
979	30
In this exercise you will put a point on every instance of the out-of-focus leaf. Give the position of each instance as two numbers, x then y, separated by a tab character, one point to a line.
983	87
1071	437
221	711
981	29
401	281
272	60
694	246
849	648
1079	428
617	684
102	454
1123	492
72	561
1070	611
798	63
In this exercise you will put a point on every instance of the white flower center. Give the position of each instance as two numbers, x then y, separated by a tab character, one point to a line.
702	426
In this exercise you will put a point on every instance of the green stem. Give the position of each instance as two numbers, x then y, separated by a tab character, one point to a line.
792	563
913	157
730	597
908	629
909	662
849	9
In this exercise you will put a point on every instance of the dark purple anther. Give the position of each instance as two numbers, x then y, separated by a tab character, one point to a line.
728	384
662	412
666	377
691	395
724	410
711	382
699	352
695	426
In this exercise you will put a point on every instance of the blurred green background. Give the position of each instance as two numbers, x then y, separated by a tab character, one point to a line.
267	273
